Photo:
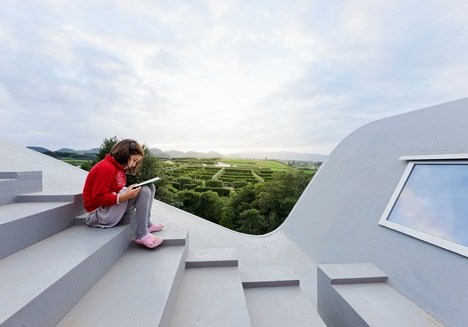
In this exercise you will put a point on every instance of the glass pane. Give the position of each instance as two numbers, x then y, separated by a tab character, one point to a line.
434	200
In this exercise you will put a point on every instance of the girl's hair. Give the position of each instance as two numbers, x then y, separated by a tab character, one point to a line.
122	151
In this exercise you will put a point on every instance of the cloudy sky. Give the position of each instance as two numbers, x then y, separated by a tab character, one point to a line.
223	75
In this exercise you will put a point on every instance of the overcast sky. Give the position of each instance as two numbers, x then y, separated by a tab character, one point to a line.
223	75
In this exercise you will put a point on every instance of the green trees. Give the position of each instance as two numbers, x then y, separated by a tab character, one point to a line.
262	208
252	222
248	207
105	148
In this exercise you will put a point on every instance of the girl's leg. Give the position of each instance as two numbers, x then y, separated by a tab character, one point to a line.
142	204
153	192
152	227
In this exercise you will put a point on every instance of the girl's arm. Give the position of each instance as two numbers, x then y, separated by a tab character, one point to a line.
102	194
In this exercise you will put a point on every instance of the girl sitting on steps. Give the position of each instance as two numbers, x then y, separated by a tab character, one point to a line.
106	198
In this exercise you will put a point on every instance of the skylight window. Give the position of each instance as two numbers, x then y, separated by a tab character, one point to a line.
431	203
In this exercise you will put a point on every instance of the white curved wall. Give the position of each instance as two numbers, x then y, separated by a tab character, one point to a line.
336	219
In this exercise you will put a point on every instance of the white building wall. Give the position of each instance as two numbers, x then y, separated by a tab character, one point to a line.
336	219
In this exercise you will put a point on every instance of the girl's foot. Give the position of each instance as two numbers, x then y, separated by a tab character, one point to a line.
150	241
155	228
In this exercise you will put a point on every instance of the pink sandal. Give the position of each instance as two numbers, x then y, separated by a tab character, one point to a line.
155	228
150	241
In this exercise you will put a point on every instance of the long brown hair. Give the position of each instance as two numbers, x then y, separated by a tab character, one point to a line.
123	150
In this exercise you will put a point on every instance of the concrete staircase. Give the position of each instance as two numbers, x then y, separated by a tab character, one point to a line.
56	271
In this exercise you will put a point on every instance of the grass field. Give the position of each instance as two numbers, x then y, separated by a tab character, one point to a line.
74	162
253	163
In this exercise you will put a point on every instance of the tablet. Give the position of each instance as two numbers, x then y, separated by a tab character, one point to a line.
149	181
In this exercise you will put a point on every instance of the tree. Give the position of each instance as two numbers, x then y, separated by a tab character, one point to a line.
86	166
210	206
105	148
190	200
252	222
166	193
238	203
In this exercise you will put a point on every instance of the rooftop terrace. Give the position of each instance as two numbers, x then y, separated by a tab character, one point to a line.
329	264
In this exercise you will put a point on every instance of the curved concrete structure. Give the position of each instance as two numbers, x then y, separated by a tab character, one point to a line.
336	219
330	263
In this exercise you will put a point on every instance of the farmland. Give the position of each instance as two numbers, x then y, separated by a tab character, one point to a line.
222	175
249	196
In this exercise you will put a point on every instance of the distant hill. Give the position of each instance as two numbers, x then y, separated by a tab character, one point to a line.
180	154
279	155
159	153
39	149
66	150
93	150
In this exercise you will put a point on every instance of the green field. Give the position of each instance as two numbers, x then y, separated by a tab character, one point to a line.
75	162
234	173
256	163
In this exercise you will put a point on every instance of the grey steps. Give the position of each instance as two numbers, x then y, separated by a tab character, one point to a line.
211	274
23	224
355	273
14	183
139	290
42	197
358	292
81	219
378	304
281	306
7	191
170	235
268	276
274	298
216	257
41	283
211	297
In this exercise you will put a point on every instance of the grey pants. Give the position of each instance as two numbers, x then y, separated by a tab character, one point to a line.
142	204
110	216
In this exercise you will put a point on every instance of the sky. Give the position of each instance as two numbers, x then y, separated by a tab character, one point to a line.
223	76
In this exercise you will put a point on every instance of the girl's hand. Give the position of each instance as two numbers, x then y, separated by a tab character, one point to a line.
130	193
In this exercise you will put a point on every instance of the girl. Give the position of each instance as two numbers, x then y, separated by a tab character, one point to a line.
106	198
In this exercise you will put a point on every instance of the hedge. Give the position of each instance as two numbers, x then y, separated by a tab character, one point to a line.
221	191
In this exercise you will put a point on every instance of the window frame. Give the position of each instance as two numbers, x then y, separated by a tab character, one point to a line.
412	161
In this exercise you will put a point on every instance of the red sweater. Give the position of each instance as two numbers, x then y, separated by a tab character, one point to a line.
103	183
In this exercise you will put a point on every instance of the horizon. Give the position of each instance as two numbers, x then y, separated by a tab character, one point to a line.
185	151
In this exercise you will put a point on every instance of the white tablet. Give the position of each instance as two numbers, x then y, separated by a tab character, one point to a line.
149	181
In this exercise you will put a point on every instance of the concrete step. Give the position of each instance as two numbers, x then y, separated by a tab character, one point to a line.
41	283
378	304
358	292
171	236
23	224
216	257
274	298
280	307
268	276
7	191
139	290
14	183
196	305
44	197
